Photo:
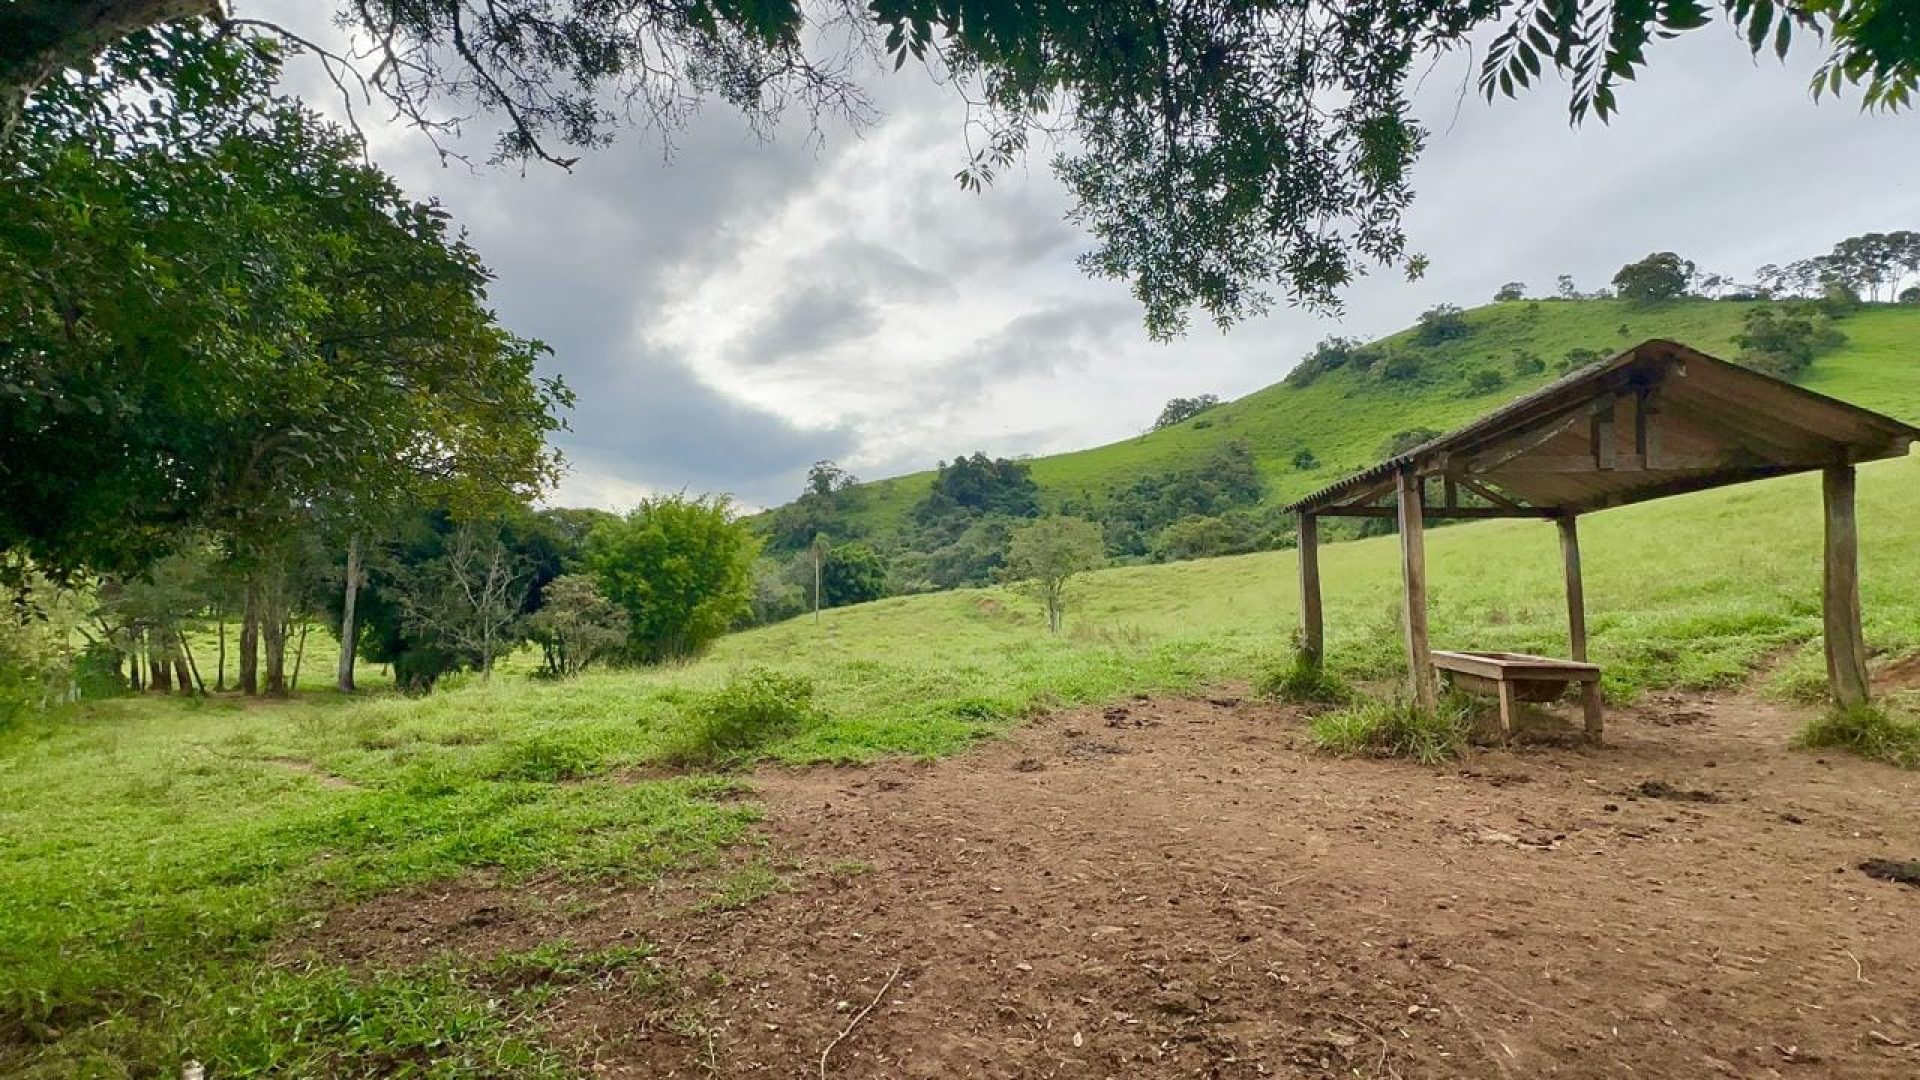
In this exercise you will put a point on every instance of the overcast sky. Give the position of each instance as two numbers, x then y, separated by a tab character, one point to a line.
734	314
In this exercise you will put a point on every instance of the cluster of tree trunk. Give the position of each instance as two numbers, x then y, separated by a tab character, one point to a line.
153	656
158	660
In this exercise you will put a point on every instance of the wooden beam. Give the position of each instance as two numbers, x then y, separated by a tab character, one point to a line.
1551	416
1370	492
1601	434
1489	494
1413	573
1846	646
1312	629
1458	513
1583	463
1755	437
1576	592
1682	485
1643	410
1535	438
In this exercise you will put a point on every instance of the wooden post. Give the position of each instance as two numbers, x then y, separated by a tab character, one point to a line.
1601	436
1312	628
1576	592
1846	646
1413	573
1577	625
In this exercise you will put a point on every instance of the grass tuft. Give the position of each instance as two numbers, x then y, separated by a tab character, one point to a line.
1395	727
1302	682
1867	730
731	725
328	1021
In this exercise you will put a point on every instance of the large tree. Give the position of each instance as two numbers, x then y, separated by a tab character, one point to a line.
1222	151
214	313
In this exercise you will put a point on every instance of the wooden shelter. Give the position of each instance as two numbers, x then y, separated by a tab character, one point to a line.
1659	419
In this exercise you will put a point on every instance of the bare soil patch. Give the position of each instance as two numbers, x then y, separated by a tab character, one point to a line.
1177	888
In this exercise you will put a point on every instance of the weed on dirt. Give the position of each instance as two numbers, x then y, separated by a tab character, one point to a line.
1906	872
1394	727
1871	731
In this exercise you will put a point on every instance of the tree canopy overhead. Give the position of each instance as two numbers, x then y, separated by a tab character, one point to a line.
1223	153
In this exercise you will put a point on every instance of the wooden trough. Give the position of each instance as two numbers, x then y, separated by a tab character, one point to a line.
1515	677
1659	419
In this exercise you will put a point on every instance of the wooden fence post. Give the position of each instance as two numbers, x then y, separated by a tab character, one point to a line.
1846	645
1413	573
1312	628
1590	704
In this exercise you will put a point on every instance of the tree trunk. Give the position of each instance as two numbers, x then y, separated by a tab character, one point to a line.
348	627
41	38
220	675
157	662
193	667
249	664
273	631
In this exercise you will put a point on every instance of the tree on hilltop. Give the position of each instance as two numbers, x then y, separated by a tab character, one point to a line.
1182	409
1659	277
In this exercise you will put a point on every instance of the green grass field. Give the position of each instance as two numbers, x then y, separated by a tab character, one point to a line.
160	858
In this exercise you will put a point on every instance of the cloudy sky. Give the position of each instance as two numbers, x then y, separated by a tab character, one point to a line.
745	308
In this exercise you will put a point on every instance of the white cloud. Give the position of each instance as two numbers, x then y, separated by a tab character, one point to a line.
731	316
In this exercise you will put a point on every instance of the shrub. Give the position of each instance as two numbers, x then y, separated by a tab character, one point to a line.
1867	730
1300	681
1402	441
1485	381
546	759
1395	727
1330	354
1512	290
1440	324
1579	358
1181	409
682	568
1205	537
1304	460
1526	362
1400	367
729	726
852	574
575	625
1783	342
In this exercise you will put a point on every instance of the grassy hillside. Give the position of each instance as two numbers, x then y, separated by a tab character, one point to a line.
153	851
1344	416
165	862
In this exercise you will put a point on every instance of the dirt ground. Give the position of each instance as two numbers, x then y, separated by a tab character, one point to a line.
1176	888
